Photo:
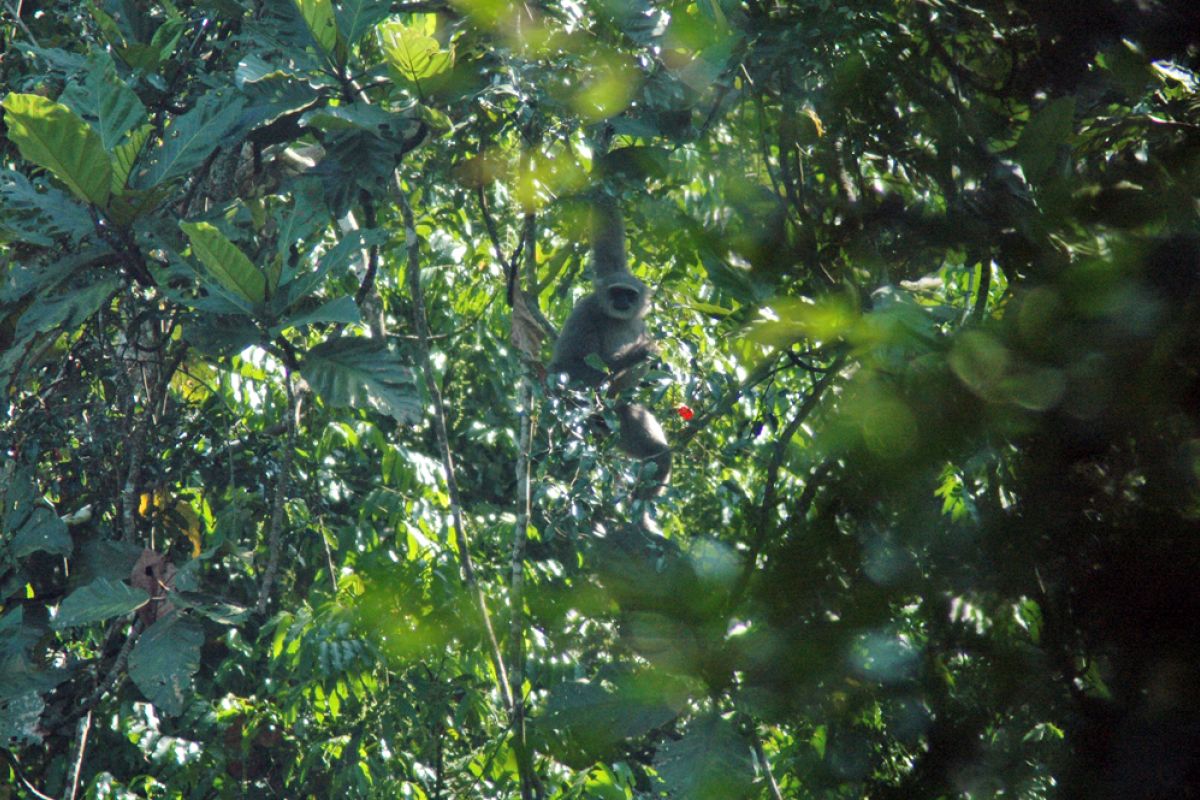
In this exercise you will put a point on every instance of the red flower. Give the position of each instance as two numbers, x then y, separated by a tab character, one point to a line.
685	412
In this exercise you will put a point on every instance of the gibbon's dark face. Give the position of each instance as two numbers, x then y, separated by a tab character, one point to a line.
623	298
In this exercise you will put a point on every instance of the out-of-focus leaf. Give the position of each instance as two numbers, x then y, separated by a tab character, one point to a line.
164	660
1045	132
52	136
711	762
361	373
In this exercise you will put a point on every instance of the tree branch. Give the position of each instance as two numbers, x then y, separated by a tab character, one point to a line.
281	489
461	537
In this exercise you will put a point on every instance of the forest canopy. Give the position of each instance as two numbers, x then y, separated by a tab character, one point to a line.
291	506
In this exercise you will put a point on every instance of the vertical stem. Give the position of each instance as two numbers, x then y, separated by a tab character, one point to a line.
281	488
461	538
81	737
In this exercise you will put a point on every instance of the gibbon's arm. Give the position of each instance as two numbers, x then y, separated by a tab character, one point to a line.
608	238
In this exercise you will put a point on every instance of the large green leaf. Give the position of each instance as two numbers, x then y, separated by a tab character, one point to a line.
414	56
52	136
104	100
100	600
356	17
225	262
596	717
36	214
164	660
362	373
322	23
190	139
42	531
711	762
340	309
1043	135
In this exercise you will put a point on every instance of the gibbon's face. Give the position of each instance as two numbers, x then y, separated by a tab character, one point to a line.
623	298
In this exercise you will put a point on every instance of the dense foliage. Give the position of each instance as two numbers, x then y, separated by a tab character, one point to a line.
289	507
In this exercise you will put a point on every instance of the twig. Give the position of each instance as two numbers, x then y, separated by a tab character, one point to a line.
20	773
528	416
763	525
81	737
16	15
281	489
766	765
461	537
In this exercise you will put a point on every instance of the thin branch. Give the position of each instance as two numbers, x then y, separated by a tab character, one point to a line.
527	421
20	773
81	737
15	11
281	488
461	537
764	524
776	794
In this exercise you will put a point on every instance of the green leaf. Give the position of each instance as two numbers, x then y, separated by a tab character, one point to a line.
711	762
125	155
340	309
100	600
104	100
225	262
360	373
596	717
164	660
68	310
414	56
214	608
52	136
43	532
19	719
38	214
356	17
190	139
1040	139
319	17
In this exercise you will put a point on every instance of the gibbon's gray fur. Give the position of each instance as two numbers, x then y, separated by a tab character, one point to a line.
611	322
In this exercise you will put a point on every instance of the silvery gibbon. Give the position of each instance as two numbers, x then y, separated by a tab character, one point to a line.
611	323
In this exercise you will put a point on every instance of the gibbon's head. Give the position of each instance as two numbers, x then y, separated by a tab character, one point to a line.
622	296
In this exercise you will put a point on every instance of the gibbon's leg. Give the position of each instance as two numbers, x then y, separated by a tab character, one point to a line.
642	437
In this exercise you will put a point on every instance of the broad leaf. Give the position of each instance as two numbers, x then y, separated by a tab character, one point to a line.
52	136
190	139
356	17
1043	135
39	214
711	762
164	660
125	155
231	268
340	309
19	718
361	373
414	56
42	531
100	600
319	17
104	100
596	717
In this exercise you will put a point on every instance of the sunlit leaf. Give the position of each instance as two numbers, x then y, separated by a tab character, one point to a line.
51	135
226	262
